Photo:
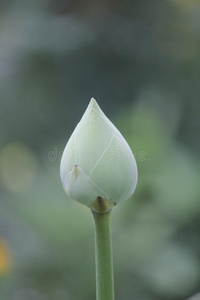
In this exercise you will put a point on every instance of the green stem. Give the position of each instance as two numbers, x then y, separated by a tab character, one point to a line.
104	260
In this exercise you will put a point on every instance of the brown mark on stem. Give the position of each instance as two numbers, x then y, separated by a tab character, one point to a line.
101	204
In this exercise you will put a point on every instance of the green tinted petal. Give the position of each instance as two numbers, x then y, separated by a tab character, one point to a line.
68	158
116	171
91	137
80	188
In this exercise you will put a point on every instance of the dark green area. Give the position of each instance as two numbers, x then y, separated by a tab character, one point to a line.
141	61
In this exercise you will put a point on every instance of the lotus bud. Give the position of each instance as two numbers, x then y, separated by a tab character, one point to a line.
98	168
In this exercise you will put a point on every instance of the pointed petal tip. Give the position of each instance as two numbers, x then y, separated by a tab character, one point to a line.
93	105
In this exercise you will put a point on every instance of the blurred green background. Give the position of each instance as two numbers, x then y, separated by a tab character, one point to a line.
141	61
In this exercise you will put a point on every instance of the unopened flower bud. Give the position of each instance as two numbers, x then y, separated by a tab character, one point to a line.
98	168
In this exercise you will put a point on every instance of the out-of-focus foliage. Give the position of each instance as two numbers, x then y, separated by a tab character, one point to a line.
140	60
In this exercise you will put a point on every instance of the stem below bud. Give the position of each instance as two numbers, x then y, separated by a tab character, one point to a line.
103	255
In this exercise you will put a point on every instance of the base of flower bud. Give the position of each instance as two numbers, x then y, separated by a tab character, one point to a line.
101	205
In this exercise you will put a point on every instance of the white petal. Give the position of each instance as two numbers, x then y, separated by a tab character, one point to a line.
80	188
116	171
92	136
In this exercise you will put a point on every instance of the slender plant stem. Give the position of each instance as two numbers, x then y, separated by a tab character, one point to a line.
104	258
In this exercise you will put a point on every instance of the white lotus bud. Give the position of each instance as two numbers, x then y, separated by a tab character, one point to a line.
98	168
